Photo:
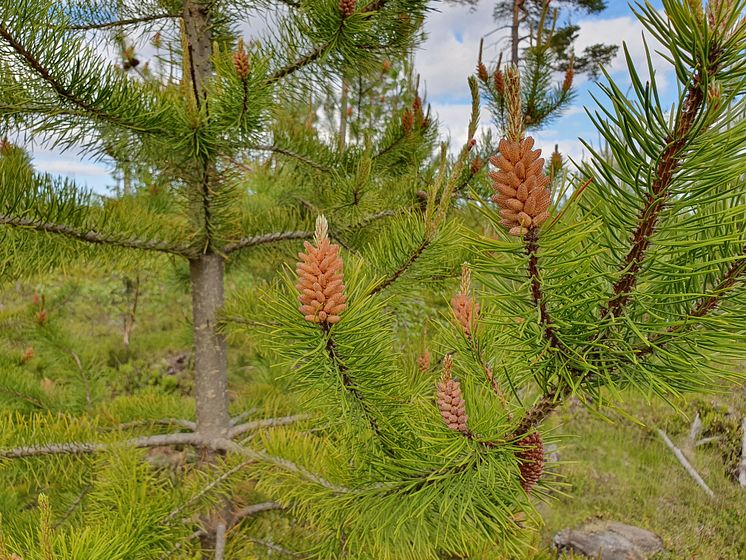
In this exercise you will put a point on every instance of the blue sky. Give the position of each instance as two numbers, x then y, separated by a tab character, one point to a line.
444	62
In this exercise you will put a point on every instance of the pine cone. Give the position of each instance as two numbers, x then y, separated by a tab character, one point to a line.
451	401
347	7
320	281
531	459
520	185
241	61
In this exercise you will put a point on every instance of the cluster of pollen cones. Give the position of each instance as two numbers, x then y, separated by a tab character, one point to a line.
320	280
531	460
451	400
466	311
520	185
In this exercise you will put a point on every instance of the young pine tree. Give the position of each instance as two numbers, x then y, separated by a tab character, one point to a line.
635	282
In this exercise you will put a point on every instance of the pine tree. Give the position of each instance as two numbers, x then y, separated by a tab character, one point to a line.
635	281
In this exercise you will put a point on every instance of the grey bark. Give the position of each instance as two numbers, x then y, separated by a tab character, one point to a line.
514	29
210	356
342	141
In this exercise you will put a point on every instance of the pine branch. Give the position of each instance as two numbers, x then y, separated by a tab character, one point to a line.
58	88
347	381
220	531
416	254
703	307
121	22
190	438
539	412
227	445
265	423
315	54
532	250
186	424
70	510
253	509
95	237
285	152
265	239
668	163
302	62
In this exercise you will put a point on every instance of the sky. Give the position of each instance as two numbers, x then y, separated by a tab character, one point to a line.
444	62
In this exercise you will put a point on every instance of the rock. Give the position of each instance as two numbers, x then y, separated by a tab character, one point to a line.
609	540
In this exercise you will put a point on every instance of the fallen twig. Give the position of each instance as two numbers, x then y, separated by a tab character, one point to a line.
742	464
694	432
705	441
689	468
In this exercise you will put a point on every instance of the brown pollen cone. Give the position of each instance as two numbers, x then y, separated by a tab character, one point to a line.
531	459
466	312
320	280
424	360
451	401
407	121
520	185
567	81
499	82
241	61
482	72
465	309
347	7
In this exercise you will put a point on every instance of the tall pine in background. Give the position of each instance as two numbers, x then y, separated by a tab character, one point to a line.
627	276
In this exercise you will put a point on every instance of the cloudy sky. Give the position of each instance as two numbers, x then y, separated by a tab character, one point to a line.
445	61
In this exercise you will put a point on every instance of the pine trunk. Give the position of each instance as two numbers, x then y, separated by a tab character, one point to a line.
211	363
514	29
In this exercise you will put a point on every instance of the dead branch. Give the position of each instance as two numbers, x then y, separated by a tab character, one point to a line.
227	474
684	463
236	420
265	423
87	448
253	509
694	432
186	424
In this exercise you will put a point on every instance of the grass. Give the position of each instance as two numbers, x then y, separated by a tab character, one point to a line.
624	472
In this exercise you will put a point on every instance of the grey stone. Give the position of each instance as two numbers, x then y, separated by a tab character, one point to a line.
609	540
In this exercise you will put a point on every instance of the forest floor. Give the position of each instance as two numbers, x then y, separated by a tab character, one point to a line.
612	469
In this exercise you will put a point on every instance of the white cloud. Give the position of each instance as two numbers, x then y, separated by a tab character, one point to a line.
630	31
449	54
70	167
